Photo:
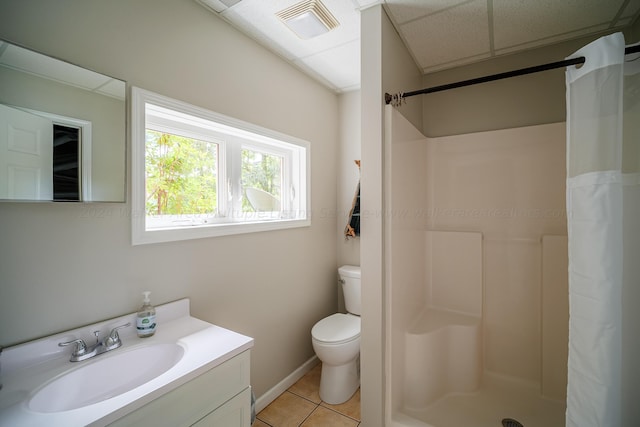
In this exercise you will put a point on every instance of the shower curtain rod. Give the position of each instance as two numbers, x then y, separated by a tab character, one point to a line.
397	98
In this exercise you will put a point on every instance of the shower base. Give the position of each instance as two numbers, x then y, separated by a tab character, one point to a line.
496	400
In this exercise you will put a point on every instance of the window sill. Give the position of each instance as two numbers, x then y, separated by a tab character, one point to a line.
160	235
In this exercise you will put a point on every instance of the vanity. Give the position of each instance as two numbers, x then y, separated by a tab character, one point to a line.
190	373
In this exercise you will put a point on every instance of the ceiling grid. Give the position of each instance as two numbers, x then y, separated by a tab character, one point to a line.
439	34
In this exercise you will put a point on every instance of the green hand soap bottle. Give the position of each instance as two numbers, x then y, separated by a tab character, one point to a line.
146	318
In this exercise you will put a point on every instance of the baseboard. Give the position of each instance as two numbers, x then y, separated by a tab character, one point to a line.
275	391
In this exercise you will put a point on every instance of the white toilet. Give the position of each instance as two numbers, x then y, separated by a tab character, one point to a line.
336	341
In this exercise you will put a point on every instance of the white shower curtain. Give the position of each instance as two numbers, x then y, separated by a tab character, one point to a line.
603	211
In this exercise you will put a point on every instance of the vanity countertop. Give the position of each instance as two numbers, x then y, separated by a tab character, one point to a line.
26	368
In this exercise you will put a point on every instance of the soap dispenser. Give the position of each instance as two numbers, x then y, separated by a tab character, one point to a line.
146	318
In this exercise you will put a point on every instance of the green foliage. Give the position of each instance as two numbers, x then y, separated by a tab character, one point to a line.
181	175
263	171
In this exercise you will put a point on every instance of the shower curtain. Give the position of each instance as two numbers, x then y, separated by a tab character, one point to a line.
603	214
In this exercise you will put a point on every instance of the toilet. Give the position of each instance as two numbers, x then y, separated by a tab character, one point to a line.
336	341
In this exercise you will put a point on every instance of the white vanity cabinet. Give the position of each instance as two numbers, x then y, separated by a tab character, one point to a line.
190	372
220	397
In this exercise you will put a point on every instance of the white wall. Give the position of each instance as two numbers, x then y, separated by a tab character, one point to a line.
508	185
64	265
387	67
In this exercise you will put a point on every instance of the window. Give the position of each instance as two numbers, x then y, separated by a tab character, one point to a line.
199	174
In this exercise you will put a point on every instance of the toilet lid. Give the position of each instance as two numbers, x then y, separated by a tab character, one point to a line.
337	328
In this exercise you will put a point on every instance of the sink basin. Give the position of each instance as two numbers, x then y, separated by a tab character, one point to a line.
107	376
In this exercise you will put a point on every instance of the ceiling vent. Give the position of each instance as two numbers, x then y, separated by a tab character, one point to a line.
308	19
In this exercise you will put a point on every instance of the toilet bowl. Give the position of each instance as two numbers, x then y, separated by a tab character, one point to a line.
336	342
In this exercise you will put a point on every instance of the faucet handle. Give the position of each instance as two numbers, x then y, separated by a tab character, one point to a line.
80	348
113	340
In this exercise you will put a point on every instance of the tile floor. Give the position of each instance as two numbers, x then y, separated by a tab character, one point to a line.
301	406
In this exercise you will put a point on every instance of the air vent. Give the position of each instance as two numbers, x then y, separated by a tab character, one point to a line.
308	19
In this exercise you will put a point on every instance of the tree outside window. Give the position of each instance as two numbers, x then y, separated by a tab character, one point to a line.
181	175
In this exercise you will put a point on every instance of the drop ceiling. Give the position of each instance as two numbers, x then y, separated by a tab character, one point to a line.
439	34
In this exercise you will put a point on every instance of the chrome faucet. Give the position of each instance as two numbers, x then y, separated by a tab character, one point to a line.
82	352
113	340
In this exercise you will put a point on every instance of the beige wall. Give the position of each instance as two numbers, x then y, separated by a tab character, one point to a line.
634	34
65	265
348	173
379	41
371	257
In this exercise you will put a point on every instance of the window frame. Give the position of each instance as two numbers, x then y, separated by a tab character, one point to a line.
252	136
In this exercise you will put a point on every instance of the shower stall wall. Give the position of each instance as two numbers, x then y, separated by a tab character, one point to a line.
476	273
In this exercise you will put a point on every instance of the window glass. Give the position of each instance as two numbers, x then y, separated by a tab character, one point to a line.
262	180
181	178
201	174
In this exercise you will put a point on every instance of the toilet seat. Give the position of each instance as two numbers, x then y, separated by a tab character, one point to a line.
337	329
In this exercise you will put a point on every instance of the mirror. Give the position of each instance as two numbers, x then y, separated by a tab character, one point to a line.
62	130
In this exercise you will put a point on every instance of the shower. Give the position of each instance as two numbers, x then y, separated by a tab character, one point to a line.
482	231
477	277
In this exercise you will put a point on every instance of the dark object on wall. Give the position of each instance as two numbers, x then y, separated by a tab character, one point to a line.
510	422
353	227
66	163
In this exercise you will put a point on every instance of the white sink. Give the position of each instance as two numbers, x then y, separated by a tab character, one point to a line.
107	376
41	387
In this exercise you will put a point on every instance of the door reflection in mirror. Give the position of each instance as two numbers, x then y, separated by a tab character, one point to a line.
64	96
41	156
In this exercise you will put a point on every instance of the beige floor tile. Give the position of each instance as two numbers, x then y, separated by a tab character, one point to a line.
258	423
309	385
350	408
324	417
288	410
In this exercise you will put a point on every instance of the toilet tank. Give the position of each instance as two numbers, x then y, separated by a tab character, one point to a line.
350	281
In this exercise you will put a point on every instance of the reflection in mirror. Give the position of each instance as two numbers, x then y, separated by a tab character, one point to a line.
62	130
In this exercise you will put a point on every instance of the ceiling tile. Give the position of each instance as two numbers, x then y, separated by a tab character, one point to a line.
439	34
633	7
521	22
551	40
266	27
433	43
340	66
407	10
629	12
363	4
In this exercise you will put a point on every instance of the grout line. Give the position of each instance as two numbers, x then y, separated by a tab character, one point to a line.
317	405
307	417
305	398
263	421
339	413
